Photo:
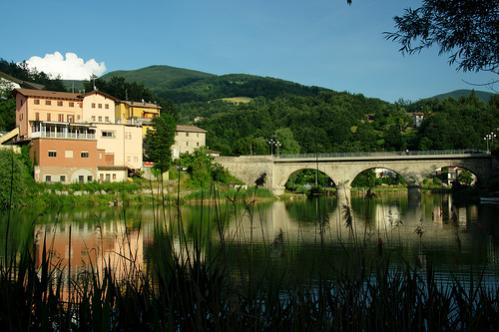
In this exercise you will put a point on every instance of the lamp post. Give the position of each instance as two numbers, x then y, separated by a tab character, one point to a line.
274	143
489	140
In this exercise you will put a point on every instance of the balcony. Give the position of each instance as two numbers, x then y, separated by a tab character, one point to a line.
62	131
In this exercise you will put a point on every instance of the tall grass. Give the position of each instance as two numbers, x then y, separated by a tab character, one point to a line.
189	285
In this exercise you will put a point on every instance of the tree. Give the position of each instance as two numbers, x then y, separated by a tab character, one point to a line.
465	29
118	87
15	181
158	142
287	139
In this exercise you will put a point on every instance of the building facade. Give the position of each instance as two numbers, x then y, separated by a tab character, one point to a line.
133	112
75	137
187	140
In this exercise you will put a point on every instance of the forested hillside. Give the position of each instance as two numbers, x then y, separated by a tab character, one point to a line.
242	112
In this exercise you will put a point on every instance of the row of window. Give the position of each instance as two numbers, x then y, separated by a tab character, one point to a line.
48	102
187	143
106	118
81	178
186	134
68	154
106	106
62	178
60	117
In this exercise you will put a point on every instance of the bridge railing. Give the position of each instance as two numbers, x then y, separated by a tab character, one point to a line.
385	154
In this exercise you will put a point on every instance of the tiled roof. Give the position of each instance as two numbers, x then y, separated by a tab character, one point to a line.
190	129
49	94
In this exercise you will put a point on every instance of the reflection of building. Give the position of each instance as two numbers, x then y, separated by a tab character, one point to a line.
92	249
188	139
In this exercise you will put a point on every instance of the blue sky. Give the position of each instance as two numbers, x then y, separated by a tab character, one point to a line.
318	42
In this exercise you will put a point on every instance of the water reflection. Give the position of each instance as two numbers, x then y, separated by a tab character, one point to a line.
299	238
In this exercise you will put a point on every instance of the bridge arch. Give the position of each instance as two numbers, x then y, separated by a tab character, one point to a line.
282	177
453	172
389	170
322	178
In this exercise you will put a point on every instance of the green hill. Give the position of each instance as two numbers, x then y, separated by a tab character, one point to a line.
183	85
160	78
456	94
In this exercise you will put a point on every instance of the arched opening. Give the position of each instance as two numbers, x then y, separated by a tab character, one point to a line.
451	177
310	182
378	177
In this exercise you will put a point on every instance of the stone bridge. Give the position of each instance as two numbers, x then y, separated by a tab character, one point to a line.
342	168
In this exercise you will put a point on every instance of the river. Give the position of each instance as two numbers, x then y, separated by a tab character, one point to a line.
295	240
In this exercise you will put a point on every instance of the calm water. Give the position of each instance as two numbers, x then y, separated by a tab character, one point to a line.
295	241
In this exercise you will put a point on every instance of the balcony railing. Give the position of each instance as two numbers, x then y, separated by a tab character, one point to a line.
47	134
475	152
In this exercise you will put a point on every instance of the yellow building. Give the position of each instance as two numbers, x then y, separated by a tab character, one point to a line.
136	112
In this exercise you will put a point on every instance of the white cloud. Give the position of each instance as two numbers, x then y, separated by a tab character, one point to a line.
70	67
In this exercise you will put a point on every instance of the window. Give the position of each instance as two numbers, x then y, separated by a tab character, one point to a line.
48	178
70	118
107	119
60	117
84	154
48	102
197	143
81	178
93	118
100	105
106	106
37	116
36	101
62	178
114	176
71	104
100	118
48	116
186	143
52	153
89	178
108	134
59	103
78	117
101	177
68	154
186	134
93	105
108	177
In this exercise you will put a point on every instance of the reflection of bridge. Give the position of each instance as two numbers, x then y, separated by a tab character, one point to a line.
342	168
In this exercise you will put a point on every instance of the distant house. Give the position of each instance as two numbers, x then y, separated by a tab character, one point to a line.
15	83
417	119
188	139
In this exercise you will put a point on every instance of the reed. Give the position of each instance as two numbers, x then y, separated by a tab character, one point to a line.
189	285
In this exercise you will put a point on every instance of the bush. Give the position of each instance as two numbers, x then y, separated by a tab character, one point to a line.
15	180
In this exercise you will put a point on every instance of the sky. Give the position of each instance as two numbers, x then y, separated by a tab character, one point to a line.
316	42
